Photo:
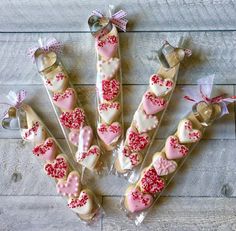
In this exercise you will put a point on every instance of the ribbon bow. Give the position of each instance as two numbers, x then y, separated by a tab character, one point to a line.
16	100
50	45
118	19
205	89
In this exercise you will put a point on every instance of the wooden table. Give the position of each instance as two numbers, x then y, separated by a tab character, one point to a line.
202	196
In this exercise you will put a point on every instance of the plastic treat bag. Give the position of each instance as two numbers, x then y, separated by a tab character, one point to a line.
148	116
20	116
79	135
154	178
109	76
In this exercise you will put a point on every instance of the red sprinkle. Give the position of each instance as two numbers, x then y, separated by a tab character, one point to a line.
57	169
151	182
137	142
74	119
41	149
154	99
106	106
79	202
110	89
174	142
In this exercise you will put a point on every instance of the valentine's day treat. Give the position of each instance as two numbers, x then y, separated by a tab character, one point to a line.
148	116
156	176
55	162
109	76
79	135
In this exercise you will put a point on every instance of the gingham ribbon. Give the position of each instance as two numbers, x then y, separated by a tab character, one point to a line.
16	100
205	89
50	45
118	19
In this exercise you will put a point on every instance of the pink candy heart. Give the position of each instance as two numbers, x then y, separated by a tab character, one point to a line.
71	186
109	133
74	137
107	47
150	182
153	104
85	138
66	100
47	150
163	166
74	119
136	141
58	168
110	89
175	150
138	201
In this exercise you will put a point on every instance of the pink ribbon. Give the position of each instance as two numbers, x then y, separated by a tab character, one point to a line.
204	93
16	100
50	45
118	19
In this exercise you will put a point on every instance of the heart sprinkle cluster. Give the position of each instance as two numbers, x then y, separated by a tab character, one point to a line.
152	179
109	127
145	119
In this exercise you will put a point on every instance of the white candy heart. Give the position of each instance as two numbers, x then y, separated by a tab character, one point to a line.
128	159
82	204
109	111
57	83
108	68
160	86
144	122
36	133
186	133
89	158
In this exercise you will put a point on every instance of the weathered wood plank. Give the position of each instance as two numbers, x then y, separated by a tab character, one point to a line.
39	213
209	171
224	129
213	52
179	214
155	15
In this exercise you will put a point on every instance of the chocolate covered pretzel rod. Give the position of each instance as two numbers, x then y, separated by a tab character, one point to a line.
63	96
150	112
109	77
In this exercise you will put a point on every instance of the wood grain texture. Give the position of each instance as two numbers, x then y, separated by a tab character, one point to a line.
179	214
223	129
202	195
39	213
213	52
200	176
148	15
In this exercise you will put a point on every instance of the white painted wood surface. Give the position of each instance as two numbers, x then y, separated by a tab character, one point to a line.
202	196
157	15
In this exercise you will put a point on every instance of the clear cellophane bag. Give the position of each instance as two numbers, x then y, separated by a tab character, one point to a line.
79	135
109	96
146	121
58	165
158	172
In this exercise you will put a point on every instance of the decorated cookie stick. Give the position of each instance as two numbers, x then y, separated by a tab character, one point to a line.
154	178
71	116
109	77
56	164
150	112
